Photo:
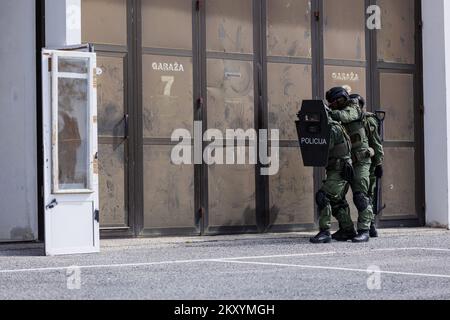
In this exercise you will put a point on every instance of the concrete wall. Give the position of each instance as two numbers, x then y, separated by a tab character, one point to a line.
63	23
18	140
436	55
18	155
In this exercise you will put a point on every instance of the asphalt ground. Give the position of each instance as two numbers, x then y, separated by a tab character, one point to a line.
402	264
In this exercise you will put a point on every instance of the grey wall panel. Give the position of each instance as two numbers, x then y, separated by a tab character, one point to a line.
18	155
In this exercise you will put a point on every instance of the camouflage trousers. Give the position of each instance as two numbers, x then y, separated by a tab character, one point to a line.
360	187
335	188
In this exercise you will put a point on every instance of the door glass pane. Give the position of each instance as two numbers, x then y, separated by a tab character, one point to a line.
168	190
111	96
289	28
288	86
397	99
112	186
292	191
351	78
232	200
229	26
104	21
73	65
399	182
167	24
73	134
168	95
230	94
396	39
344	30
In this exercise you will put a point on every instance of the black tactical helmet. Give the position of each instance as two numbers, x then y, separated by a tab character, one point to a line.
360	99
335	93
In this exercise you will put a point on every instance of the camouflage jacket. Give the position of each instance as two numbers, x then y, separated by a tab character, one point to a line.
352	118
372	126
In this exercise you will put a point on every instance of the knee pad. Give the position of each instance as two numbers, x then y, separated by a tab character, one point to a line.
322	200
361	201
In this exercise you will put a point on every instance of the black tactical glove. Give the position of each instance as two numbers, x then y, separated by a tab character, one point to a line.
379	171
348	172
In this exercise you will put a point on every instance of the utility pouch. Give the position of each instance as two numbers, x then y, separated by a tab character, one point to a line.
348	173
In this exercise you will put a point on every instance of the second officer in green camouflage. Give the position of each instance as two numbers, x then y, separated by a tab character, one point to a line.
331	197
348	112
375	142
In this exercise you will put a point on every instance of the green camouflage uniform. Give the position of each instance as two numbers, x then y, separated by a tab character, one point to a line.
372	126
331	197
352	118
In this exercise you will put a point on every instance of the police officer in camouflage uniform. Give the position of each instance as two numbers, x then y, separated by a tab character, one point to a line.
331	198
348	112
375	142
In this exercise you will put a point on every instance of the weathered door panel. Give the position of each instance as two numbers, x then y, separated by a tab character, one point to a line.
169	198
289	82
105	24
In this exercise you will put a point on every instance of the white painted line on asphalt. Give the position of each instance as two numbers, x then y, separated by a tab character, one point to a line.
412	249
231	259
128	265
283	256
335	268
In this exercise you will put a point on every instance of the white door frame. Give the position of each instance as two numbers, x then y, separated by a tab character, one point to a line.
71	199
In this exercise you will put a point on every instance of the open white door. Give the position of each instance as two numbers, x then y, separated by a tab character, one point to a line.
70	152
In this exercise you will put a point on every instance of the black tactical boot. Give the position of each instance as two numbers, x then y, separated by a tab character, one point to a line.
363	236
373	231
344	235
322	237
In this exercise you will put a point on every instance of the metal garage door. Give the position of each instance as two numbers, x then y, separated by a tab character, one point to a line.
244	64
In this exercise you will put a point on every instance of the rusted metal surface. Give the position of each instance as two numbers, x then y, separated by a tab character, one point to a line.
399	182
167	24
229	26
288	85
396	39
95	166
344	30
168	190
110	95
112	185
104	21
167	95
230	94
397	99
292	191
289	28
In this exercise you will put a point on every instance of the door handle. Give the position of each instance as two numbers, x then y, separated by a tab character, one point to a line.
127	130
52	204
97	215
